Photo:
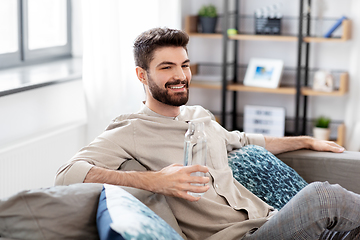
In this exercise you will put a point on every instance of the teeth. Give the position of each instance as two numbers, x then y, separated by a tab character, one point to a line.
177	87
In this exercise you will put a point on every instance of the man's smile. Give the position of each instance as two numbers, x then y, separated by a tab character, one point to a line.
178	87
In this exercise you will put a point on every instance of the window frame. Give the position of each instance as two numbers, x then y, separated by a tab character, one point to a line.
24	56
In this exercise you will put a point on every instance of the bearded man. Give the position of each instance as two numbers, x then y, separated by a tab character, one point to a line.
154	137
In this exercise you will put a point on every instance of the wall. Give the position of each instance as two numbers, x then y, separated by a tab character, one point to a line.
40	130
328	56
31	112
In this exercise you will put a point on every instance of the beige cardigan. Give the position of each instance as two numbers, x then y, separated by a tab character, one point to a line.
226	211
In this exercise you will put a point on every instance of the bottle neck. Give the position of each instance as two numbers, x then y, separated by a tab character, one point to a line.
196	127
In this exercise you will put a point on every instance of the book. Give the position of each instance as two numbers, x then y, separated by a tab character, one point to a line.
334	27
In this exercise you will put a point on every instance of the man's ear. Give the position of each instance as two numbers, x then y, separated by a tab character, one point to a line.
141	75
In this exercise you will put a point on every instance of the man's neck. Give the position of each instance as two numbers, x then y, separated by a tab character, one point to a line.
163	109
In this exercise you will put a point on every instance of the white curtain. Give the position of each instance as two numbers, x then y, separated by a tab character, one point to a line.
352	118
109	30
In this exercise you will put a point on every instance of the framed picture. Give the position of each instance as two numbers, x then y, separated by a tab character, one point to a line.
263	72
269	121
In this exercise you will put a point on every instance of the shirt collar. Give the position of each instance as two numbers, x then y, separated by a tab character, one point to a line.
147	111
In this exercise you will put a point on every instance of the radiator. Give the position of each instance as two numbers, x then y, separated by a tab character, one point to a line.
33	162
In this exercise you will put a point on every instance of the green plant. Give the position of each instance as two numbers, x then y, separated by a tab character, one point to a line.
322	122
208	11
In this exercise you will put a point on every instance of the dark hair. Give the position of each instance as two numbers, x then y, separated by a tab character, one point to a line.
147	42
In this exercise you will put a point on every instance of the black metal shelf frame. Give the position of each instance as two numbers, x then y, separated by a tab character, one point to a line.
299	98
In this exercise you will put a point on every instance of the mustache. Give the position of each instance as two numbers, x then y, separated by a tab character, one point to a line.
176	82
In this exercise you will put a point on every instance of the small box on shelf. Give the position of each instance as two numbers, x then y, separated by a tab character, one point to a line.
268	25
191	23
194	69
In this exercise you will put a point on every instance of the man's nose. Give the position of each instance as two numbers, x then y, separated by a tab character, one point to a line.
180	74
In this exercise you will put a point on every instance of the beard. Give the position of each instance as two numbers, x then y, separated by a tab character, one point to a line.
163	95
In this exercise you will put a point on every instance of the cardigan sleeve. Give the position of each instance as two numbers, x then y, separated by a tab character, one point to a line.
109	150
236	139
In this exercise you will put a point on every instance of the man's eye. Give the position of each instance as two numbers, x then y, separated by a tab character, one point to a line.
185	66
165	67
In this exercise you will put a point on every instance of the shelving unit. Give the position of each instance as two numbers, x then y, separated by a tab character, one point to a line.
301	92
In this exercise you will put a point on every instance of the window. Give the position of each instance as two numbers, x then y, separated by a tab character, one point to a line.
34	31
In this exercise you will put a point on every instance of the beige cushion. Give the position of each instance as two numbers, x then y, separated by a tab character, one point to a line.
61	212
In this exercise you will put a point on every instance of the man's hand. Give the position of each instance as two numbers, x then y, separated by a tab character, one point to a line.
175	180
326	146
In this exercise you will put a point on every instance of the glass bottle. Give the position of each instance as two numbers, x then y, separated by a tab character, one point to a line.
195	150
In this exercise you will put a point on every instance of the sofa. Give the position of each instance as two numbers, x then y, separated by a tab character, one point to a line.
341	168
77	212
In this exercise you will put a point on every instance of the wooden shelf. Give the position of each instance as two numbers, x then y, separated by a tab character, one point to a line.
191	23
306	91
345	36
263	37
206	84
206	35
243	88
343	88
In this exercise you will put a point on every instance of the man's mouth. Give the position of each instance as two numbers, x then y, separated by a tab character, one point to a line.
178	87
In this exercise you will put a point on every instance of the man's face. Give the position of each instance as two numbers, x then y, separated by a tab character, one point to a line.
169	76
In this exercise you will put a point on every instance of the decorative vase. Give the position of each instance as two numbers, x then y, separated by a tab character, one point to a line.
321	133
208	24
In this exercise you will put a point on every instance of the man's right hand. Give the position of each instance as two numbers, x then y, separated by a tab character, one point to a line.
175	180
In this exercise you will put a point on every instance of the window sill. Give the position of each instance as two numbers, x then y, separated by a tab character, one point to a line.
15	80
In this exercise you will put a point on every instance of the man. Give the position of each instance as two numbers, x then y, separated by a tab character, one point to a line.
154	136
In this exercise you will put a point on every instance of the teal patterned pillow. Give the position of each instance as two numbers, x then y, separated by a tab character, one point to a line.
265	175
121	216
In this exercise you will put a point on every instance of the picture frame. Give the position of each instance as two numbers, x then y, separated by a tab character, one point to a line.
262	72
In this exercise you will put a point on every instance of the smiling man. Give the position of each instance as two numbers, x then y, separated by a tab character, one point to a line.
154	137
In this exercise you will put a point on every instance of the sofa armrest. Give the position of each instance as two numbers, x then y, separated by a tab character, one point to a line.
342	168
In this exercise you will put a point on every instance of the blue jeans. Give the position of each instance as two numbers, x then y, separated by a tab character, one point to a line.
319	211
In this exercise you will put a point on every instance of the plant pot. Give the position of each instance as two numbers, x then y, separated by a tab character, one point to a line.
208	24
321	133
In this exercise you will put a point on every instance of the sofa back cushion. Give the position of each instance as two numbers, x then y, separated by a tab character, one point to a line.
61	212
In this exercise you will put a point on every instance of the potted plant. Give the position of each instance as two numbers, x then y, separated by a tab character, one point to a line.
208	18
321	129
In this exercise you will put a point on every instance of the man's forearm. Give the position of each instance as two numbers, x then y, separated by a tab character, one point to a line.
134	179
285	144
